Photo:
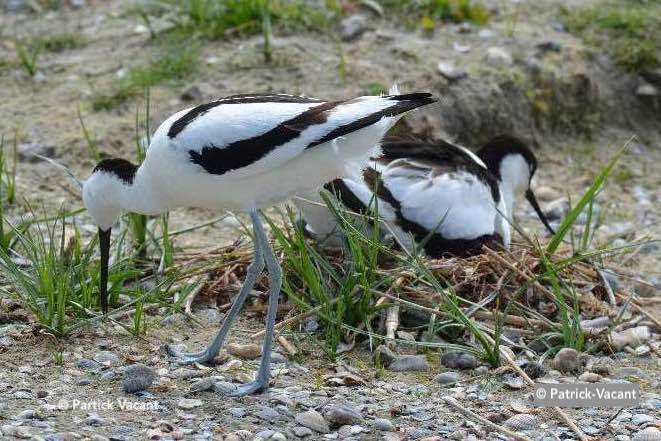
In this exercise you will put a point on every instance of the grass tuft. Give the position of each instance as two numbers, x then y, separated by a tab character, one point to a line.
28	55
59	42
426	14
174	64
54	274
630	31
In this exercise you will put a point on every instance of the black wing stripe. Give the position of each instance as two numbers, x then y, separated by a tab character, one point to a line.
242	153
179	125
402	105
442	153
344	194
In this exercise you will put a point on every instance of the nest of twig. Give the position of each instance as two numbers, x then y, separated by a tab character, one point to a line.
512	282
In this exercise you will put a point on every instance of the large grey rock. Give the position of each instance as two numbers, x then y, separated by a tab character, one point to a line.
137	377
353	27
343	414
459	360
450	71
567	360
312	420
498	57
409	363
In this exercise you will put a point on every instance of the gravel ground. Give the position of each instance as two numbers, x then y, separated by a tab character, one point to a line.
74	388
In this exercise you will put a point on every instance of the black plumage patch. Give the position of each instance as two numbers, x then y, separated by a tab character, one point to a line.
242	153
443	155
121	168
418	96
404	104
494	151
344	194
179	125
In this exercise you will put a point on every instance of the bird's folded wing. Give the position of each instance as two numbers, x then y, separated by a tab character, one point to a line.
249	135
456	204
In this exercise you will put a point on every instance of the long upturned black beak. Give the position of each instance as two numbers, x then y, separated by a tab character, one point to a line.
104	244
530	195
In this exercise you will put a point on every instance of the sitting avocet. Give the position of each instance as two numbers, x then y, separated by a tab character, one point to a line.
242	152
438	195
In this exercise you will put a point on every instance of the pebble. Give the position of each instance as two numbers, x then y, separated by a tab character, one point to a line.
87	365
549	46
384	356
239	435
237	412
450	71
567	360
192	93
137	377
409	363
107	375
498	57
522	421
185	373
312	420
646	90
189	403
106	358
6	341
353	27
648	434
343	414
546	194
206	383
557	209
249	351
640	418
629	371
632	337
486	33
95	420
534	369
447	378
513	382
302	432
646	289
15	431
459	360
590	377
643	350
25	152
481	370
384	425
29	414
268	414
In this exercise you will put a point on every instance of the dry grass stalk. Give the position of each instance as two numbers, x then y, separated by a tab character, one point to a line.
469	413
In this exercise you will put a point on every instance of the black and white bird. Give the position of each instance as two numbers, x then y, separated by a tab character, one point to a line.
242	152
438	195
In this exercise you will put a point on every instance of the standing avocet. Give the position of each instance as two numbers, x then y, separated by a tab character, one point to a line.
439	195
242	152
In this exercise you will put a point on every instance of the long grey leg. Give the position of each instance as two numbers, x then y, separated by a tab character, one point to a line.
275	282
254	270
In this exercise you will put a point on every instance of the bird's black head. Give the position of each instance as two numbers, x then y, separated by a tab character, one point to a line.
514	164
502	146
121	168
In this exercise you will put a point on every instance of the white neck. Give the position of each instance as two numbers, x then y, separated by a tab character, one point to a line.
140	196
514	179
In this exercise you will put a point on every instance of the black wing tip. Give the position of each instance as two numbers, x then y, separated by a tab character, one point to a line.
421	97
